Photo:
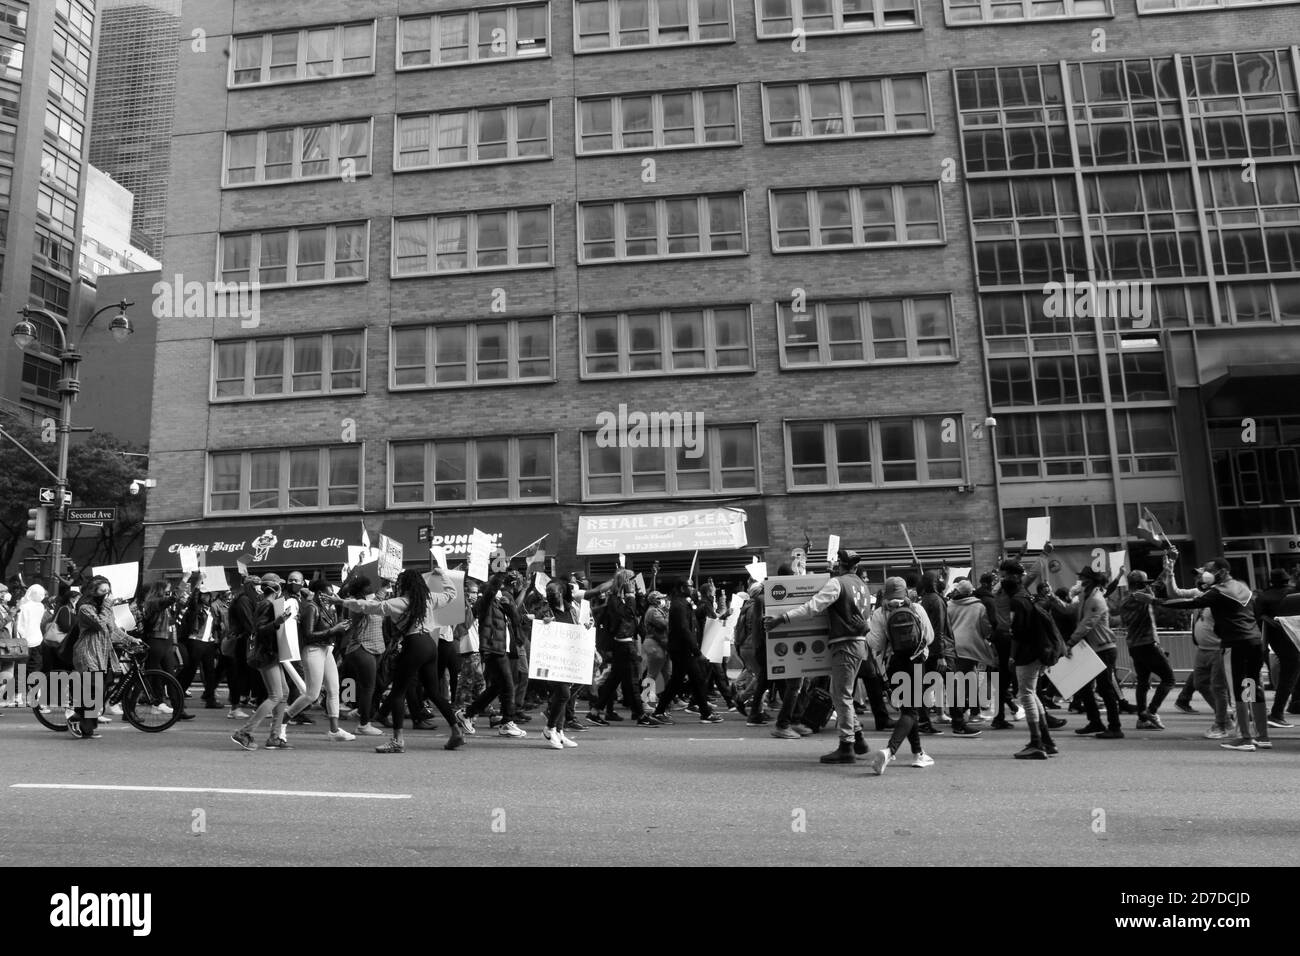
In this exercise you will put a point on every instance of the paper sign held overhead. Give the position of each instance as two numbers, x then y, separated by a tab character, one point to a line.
390	557
480	552
540	581
453	614
1038	533
213	580
438	555
757	571
638	582
122	577
189	560
1118	559
832	548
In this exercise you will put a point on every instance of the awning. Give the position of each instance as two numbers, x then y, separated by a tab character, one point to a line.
269	543
699	529
452	531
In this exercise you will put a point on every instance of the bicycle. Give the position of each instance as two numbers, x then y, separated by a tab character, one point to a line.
140	693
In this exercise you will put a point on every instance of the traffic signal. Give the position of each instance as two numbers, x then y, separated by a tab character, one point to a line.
36	524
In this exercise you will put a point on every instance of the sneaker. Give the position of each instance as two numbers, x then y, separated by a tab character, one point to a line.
977	719
967	732
1000	723
578	726
277	743
552	738
801	730
183	715
564	739
1019	714
942	719
1185	708
785	733
391	747
1242	744
597	719
922	760
340	734
1110	735
165	708
1055	723
74	728
424	725
302	720
241	737
613	716
1264	744
508	729
368	730
1215	733
1089	729
711	719
466	723
1031	753
1050	750
1148	724
647	720
1279	722
93	735
1155	719
759	721
528	718
105	719
236	714
665	718
116	710
929	730
880	760
692	709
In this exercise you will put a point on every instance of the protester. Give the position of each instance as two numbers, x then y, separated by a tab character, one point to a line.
264	657
559	600
972	631
900	633
687	662
944	658
654	646
1267	604
318	629
159	627
243	678
1208	677
363	646
1030	638
1137	611
620	621
94	651
1094	626
498	634
200	631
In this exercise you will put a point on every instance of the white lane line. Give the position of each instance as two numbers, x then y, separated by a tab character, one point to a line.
696	740
259	793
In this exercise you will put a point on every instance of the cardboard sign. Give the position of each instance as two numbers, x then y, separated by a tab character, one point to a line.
123	617
453	614
287	639
757	571
213	580
786	591
122	577
1037	533
189	560
638	582
563	653
955	573
540	581
584	612
798	654
1118	559
390	557
438	555
1070	674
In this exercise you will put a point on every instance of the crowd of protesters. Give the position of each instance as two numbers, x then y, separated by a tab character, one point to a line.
380	640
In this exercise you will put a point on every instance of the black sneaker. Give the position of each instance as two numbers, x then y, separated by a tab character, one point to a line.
711	719
1089	729
1055	723
647	720
302	720
576	725
523	718
1000	723
185	715
596	718
965	731
1031	753
664	719
1110	735
930	730
74	728
613	716
424	725
758	721
244	739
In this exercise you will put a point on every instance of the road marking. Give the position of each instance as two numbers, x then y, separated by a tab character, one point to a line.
259	793
696	740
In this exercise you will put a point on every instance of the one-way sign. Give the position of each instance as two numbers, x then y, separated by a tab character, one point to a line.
92	514
47	496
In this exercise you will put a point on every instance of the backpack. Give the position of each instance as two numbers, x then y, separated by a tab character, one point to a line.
903	630
1049	635
63	655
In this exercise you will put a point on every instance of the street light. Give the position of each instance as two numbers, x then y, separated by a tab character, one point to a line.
24	334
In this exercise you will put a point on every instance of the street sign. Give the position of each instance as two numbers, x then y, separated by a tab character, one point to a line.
47	496
425	532
91	514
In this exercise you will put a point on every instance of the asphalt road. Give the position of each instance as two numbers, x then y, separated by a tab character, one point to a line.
687	794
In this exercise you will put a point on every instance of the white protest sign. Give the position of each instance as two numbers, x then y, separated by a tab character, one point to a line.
955	573
242	568
1118	559
639	583
189	560
390	557
438	555
1038	532
717	638
1069	674
453	614
122	577
213	580
540	581
798	655
123	617
622	561
563	653
584	612
757	571
287	639
480	550
832	548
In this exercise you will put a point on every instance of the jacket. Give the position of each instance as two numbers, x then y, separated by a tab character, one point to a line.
1233	607
937	610
158	618
654	625
971	630
498	627
1267	603
1137	613
620	620
838	598
682	635
1094	622
878	632
395	608
316	624
98	635
263	646
1027	640
243	616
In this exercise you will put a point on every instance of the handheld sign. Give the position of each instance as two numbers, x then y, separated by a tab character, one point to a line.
832	548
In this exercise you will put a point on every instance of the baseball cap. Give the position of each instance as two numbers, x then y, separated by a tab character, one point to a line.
963	589
847	558
1137	580
1011	566
1214	565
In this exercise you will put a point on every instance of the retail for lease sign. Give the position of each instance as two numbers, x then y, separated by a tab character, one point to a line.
701	529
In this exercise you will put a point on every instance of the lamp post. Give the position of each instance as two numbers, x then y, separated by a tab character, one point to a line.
24	334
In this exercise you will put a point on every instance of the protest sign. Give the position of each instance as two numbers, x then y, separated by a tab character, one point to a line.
123	617
564	653
955	573
213	580
480	550
716	644
540	581
757	571
287	639
438	556
390	557
1069	674
1118	559
453	614
1037	533
832	548
121	577
189	560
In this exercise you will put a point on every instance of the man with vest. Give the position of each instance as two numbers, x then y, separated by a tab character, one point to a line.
846	601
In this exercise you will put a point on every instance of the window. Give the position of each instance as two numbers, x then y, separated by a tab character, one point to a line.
333	253
1053	445
303	478
964	12
1062	379
680	226
298	153
48	291
1242	104
53	207
453	355
68	92
55	249
687	459
13	15
840	109
867	332
670	120
71	52
1145	225
780	18
1179	6
851	216
1027	230
622	24
468	471
1013	118
77	14
486	135
40	379
326	364
1145	440
472	241
315	53
671	341
874	452
474	36
1254	226
62	124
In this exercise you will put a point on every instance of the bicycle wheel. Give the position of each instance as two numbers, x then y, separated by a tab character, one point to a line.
55	718
141	704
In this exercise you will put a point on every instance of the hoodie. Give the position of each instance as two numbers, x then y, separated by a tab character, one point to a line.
1233	607
31	610
972	630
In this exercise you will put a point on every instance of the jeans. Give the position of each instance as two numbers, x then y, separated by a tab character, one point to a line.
1151	659
318	662
1027	681
162	657
958	714
498	669
656	662
557	705
417	662
1288	667
626	674
846	661
686	669
905	727
869	674
88	720
449	667
1105	683
273	705
362	666
1006	673
1209	679
201	657
521	677
239	678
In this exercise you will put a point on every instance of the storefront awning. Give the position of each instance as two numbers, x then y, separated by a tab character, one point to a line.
452	531
699	529
270	543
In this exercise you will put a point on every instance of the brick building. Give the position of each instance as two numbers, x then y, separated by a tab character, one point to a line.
477	228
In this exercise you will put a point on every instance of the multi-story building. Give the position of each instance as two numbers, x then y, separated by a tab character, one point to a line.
135	99
106	247
827	227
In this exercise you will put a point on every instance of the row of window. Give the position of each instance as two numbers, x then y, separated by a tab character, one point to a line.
1075	444
850	454
672	227
823	109
680	341
521	31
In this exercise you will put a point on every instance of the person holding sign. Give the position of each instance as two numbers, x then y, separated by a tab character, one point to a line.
1094	626
412	610
318	629
499	634
559	602
688	664
264	657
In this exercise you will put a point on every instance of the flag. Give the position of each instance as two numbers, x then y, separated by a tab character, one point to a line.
365	537
538	557
529	549
1145	531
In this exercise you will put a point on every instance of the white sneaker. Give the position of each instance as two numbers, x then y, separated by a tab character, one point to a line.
880	760
366	730
923	760
236	714
564	739
115	710
164	708
1019	714
466	724
340	734
508	729
105	719
553	738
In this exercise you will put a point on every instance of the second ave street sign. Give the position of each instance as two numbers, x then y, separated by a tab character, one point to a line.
91	514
